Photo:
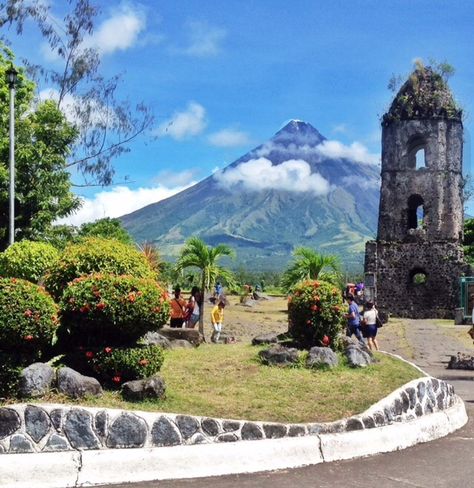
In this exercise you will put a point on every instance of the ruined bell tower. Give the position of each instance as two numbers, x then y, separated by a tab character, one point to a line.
417	259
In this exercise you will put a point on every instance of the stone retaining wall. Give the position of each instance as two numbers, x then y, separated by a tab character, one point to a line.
26	428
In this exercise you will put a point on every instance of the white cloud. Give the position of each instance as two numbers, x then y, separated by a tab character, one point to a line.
118	32
356	152
204	39
119	201
171	178
229	138
181	125
260	174
340	129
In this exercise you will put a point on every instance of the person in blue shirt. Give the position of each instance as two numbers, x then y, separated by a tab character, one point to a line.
353	319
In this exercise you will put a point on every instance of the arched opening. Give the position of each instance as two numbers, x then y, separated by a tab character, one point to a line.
416	212
417	153
418	277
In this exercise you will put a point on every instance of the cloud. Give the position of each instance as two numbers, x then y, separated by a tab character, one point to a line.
340	129
361	182
119	201
118	32
181	125
228	138
260	174
204	39
356	152
171	178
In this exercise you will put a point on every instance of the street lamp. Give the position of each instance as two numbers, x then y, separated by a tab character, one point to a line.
12	77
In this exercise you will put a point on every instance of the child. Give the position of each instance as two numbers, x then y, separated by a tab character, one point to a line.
217	317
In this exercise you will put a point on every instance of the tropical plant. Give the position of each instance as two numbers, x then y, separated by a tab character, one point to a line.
104	309
96	255
106	228
315	313
27	260
311	265
469	240
197	254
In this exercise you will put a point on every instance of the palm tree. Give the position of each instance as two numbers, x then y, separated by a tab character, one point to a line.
310	265
196	253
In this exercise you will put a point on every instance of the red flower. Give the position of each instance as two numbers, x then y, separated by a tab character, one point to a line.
316	284
108	350
132	297
85	309
326	341
89	354
100	306
28	313
309	322
143	362
314	308
156	309
117	379
28	337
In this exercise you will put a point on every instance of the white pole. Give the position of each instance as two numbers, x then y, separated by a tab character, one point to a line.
12	167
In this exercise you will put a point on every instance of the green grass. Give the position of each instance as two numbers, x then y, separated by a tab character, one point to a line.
227	381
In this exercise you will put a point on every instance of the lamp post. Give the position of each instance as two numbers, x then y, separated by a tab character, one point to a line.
12	77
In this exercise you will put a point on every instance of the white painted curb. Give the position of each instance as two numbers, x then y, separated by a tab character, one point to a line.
86	468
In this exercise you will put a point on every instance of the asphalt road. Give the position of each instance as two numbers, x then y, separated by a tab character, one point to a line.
446	462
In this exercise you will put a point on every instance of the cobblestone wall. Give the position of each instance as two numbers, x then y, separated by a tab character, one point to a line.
49	428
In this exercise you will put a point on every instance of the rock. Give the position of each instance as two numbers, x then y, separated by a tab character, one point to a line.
36	380
270	338
9	422
279	355
37	422
128	430
191	335
230	425
76	385
321	356
165	433
78	429
357	353
56	443
210	427
251	431
156	339
274	431
181	343
20	444
101	423
187	425
461	361
137	390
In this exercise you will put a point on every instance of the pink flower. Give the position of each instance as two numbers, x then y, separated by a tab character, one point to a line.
108	350
89	354
117	379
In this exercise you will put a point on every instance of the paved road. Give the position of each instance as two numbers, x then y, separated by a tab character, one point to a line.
446	462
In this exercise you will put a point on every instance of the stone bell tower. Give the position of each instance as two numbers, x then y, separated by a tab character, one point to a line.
417	260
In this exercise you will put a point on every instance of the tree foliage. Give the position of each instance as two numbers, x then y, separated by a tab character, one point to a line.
196	253
104	123
107	228
43	137
310	265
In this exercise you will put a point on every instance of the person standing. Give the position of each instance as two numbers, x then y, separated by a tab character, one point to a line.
370	319
217	318
178	309
194	307
353	319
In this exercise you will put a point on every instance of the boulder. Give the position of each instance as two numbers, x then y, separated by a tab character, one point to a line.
36	380
156	339
76	385
181	343
461	361
279	355
357	354
191	335
137	390
321	356
270	338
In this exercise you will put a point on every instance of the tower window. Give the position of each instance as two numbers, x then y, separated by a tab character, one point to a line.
420	159
417	153
416	212
418	277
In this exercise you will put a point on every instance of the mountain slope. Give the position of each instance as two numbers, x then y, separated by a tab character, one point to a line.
284	193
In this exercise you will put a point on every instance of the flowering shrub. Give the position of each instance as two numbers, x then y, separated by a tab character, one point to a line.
10	373
96	255
106	309
114	366
315	313
28	318
27	260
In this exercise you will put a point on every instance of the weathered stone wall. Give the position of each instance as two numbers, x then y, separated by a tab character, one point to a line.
394	264
55	428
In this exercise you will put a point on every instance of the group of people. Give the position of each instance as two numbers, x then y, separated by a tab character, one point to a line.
187	313
365	325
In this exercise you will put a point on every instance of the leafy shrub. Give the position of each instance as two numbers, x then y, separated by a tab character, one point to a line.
315	313
28	260
10	372
96	255
28	318
106	309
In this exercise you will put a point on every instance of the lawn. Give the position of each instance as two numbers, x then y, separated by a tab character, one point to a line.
227	381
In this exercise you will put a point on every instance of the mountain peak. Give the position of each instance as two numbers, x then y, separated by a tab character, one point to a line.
299	132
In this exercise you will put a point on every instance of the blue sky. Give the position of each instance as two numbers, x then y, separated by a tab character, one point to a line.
223	76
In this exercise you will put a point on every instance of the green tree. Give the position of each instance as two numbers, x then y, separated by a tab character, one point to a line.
196	253
469	240
311	265
43	139
107	228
